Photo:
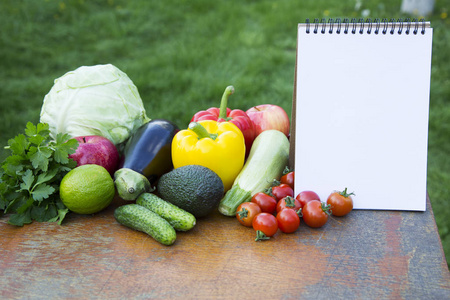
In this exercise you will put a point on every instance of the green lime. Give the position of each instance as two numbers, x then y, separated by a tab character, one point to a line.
87	189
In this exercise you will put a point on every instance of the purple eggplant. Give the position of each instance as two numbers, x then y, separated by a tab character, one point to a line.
147	155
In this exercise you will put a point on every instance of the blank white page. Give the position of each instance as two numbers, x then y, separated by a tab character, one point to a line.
362	104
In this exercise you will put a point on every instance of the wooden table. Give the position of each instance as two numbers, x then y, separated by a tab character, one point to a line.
366	255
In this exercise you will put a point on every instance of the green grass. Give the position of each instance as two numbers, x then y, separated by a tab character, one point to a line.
182	54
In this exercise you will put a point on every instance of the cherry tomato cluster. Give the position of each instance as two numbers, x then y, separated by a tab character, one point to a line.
276	208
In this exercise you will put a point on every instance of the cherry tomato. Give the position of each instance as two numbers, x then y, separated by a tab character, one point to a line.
341	203
267	203
306	196
282	190
288	178
288	220
265	225
288	202
315	213
246	212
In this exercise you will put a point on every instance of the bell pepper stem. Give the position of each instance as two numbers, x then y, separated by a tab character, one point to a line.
229	90
201	131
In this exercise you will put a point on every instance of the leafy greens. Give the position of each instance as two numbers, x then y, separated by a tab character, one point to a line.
31	175
94	100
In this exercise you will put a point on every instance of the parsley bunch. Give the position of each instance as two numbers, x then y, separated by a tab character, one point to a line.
31	175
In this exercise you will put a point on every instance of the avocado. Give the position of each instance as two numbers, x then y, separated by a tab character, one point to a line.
194	188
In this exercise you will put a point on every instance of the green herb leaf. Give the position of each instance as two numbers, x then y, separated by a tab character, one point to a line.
43	129
18	145
30	129
44	212
64	147
13	165
37	139
40	158
14	204
42	191
28	179
3	189
62	214
44	177
31	175
20	219
25	205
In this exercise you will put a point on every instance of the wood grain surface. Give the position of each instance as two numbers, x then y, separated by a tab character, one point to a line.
365	255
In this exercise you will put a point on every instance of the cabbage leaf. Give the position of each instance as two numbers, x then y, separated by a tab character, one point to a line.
94	100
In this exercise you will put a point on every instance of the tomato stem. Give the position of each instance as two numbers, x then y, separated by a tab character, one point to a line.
260	236
345	194
268	191
326	208
290	202
243	213
275	182
286	170
229	90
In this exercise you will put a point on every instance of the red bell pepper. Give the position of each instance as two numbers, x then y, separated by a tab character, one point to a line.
236	116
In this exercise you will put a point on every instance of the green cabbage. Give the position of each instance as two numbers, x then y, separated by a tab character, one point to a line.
94	100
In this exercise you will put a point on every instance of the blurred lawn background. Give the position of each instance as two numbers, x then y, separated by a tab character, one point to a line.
182	54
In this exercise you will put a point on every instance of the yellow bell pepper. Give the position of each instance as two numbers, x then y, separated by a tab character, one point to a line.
219	146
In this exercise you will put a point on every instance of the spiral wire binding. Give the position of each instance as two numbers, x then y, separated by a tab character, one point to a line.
372	26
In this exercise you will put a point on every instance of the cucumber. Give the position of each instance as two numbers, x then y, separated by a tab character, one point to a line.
142	219
180	219
268	157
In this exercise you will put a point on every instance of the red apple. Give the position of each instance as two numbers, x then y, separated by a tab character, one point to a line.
96	150
269	116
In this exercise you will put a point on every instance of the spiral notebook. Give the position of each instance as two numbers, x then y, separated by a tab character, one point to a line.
360	111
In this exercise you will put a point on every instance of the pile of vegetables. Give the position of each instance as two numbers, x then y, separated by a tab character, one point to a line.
95	100
102	101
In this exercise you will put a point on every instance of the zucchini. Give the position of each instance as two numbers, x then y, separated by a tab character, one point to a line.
180	219
268	157
142	219
130	184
